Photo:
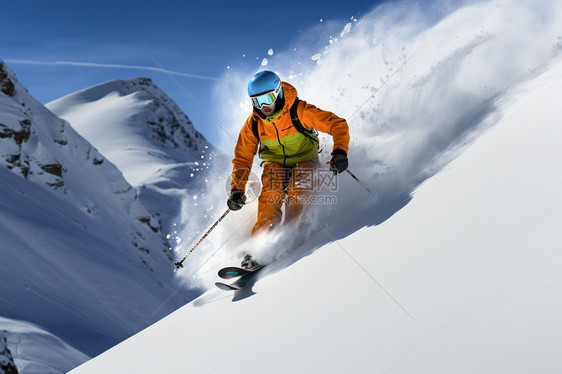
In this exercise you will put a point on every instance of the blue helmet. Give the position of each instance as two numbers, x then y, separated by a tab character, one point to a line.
264	88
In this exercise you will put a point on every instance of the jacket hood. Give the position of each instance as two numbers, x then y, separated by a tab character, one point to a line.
290	94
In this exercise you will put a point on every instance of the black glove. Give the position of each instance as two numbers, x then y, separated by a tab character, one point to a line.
339	162
236	199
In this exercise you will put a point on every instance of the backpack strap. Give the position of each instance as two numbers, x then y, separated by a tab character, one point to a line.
298	125
255	128
294	119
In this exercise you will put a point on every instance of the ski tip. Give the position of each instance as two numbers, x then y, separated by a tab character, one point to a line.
226	287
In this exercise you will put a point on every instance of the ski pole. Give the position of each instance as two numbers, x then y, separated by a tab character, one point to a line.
354	177
179	264
358	181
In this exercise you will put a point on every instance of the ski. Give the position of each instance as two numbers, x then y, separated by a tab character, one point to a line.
226	287
241	282
233	272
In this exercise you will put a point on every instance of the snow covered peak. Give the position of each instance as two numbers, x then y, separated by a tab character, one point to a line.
134	124
42	148
164	120
34	143
81	255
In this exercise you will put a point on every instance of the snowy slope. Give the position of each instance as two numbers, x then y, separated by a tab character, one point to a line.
461	278
464	279
453	266
80	257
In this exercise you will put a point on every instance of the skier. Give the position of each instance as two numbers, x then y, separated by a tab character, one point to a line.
284	129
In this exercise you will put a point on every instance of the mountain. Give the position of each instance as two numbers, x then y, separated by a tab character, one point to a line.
135	125
463	279
146	135
81	257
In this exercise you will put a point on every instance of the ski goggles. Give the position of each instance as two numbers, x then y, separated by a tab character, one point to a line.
267	98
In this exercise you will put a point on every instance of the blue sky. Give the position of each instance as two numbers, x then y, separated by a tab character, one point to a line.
202	38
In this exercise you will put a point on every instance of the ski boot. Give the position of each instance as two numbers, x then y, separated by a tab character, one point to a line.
249	263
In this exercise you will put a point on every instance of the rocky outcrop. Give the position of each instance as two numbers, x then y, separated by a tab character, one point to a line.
7	365
7	86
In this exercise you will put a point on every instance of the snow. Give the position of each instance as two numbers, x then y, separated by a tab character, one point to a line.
124	121
81	258
147	136
48	353
453	266
465	278
346	30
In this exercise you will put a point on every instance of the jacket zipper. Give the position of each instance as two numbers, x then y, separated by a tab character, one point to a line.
281	144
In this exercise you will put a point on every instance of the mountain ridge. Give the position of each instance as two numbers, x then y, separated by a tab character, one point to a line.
139	113
82	256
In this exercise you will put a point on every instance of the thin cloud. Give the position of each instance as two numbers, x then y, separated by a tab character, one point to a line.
111	66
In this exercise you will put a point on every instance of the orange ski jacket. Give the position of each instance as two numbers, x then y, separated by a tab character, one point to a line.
280	140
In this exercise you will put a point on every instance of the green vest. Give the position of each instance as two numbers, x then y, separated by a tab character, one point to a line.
292	149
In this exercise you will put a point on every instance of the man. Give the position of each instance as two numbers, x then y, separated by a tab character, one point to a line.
282	129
